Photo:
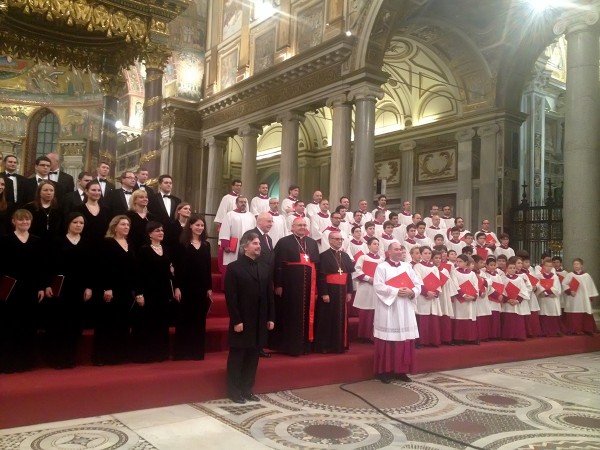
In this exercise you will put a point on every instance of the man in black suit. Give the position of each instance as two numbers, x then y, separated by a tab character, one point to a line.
76	198
264	222
142	176
249	297
15	183
162	204
42	169
63	179
117	200
101	175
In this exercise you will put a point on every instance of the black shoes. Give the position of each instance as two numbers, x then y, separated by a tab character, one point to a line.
264	354
251	397
237	399
403	377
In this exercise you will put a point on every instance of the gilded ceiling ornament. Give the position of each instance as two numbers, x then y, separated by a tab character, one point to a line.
147	157
110	83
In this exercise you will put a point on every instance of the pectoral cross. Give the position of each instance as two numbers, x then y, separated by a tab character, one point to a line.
340	271
305	257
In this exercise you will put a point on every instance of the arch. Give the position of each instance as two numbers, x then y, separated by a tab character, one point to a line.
43	132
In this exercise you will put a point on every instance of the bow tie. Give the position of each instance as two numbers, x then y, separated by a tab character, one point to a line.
54	172
166	196
102	180
142	185
11	175
41	179
127	192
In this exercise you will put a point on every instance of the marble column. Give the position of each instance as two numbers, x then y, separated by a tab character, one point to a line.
365	98
155	60
488	174
582	140
464	184
339	175
288	168
214	178
249	135
407	171
110	84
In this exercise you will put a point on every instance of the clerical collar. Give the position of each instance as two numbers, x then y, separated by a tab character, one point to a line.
463	270
238	210
322	214
386	236
377	223
332	228
274	213
314	203
381	209
410	241
446	217
293	198
547	275
414	263
578	273
560	269
393	263
373	255
505	247
298	215
455	241
404	213
355	242
264	197
491	273
234	194
480	246
433	227
427	263
420	236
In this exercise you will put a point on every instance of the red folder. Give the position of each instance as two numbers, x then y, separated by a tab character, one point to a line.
446	266
489	238
57	283
533	280
233	244
443	279
512	291
401	281
480	283
560	277
498	288
358	255
7	284
369	267
573	285
547	283
468	289
431	282
482	252
336	278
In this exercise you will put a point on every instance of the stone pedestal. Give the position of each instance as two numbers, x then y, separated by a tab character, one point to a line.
464	185
249	135
365	98
288	172
340	168
582	140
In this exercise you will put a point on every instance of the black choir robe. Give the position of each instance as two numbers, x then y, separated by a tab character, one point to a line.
294	332
331	319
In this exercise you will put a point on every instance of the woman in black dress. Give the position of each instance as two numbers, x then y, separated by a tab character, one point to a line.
47	218
150	320
119	284
66	305
174	229
22	260
96	216
140	218
194	292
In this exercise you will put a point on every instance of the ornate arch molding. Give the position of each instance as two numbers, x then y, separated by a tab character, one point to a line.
31	139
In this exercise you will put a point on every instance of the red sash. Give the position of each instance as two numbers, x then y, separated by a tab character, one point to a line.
337	278
313	294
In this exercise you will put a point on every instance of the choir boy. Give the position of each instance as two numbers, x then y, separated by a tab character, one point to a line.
503	248
532	321
355	246
369	233
481	249
579	288
454	242
447	291
420	237
364	300
548	293
561	273
415	256
467	250
399	231
501	263
395	325
482	304
387	235
515	307
465	313
495	281
429	311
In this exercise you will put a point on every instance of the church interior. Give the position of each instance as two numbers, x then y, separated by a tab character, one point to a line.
489	106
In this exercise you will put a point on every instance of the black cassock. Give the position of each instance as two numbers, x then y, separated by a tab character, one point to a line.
331	319
294	331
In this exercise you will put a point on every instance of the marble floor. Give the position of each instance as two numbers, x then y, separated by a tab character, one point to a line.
549	403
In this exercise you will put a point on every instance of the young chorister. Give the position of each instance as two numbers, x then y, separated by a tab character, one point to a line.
465	312
364	300
454	242
515	306
356	244
481	249
532	321
421	237
414	257
482	304
428	311
548	293
386	236
501	263
495	296
561	273
503	248
447	291
578	289
410	241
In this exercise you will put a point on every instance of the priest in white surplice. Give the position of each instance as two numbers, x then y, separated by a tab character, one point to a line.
279	228
234	225
228	201
395	327
260	203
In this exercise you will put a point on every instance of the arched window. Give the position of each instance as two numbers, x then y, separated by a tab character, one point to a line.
42	136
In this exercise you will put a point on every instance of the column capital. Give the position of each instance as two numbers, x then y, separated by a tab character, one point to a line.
465	135
408	146
155	57
111	83
488	130
249	131
216	141
576	20
290	116
337	100
366	92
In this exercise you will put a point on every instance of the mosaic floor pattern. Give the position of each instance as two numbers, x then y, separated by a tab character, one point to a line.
542	404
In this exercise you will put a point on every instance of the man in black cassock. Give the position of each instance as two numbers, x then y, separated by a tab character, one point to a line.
335	291
295	279
249	297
